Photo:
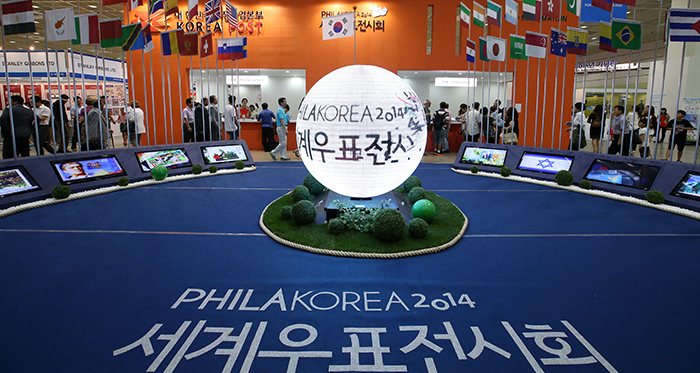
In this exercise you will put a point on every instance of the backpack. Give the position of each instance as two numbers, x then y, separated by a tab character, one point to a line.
439	120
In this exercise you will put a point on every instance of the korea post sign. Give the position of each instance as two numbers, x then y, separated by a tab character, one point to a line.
361	131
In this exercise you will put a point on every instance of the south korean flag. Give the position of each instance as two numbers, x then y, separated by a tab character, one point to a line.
340	26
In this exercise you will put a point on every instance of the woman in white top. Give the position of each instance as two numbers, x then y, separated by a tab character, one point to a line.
136	115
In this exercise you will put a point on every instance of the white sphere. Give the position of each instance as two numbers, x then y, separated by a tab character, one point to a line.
348	121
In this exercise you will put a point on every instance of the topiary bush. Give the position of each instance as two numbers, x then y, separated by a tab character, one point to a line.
416	194
60	192
303	212
123	181
300	193
411	182
564	178
239	165
197	169
655	197
418	228
286	212
389	225
336	226
474	169
505	171
585	184
213	169
314	186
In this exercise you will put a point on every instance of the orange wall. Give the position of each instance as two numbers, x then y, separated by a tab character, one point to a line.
291	39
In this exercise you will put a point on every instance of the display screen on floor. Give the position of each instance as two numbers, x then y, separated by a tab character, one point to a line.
689	186
223	154
547	163
484	156
171	158
87	169
620	173
15	180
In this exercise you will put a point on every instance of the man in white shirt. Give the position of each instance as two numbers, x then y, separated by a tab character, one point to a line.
578	124
214	118
137	116
188	121
74	118
474	123
230	118
44	114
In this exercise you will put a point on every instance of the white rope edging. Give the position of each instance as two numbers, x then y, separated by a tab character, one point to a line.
598	193
353	254
95	192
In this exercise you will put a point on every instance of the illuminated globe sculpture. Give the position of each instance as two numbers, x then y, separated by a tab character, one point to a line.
361	131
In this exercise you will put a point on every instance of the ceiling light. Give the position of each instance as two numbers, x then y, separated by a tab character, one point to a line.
35	7
415	72
584	26
628	12
31	47
287	71
12	41
92	6
593	38
36	33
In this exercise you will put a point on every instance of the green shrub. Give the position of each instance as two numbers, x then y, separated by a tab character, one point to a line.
505	171
303	212
411	182
239	165
213	169
286	212
655	197
389	225
314	186
123	181
585	184
359	218
336	226
60	192
474	169
418	228
197	169
564	178
300	193
416	194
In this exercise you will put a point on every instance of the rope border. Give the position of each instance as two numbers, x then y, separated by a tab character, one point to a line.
353	254
598	193
105	190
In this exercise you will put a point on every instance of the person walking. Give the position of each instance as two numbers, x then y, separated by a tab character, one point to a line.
282	130
23	123
268	134
230	118
188	120
214	118
43	114
680	127
622	132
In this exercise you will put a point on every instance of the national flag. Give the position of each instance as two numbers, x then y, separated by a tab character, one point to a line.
590	13
517	47
558	44
188	44
111	33
340	26
231	15
471	51
605	41
512	12
59	24
154	6
531	10
483	53
465	15
212	10
206	47
551	8
168	40
147	39
535	44
572	7
18	17
133	4
87	29
132	37
479	15
625	2
112	2
684	24
232	48
576	41
496	48
170	7
192	8
626	34
494	13
603	4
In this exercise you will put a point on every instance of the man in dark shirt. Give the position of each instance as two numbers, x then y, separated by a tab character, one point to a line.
268	134
201	121
680	127
23	119
60	121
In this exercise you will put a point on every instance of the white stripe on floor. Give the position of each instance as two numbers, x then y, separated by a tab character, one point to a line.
102	231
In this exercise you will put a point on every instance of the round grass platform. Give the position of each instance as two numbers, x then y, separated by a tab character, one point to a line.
445	230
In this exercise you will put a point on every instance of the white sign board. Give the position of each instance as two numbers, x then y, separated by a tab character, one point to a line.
18	64
91	67
247	79
455	82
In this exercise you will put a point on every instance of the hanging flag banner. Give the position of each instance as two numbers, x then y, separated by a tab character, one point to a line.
212	11
551	8
168	41
625	2
626	34
232	48
512	12
483	53
18	17
479	15
535	44
188	44
132	37
231	15
133	4
684	25
192	8
59	24
147	39
496	48
572	7
494	14
340	26
558	43
531	10
111	33
606	5
577	41
605	41
112	2
471	51
517	47
206	47
87	29
590	13
170	7
465	15
154	6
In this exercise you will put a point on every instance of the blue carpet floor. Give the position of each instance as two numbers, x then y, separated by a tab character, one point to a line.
179	277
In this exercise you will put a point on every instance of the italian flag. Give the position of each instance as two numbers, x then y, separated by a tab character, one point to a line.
18	17
87	29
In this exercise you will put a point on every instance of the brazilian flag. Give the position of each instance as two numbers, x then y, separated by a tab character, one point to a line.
626	34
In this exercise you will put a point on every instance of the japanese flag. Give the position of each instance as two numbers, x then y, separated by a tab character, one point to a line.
496	48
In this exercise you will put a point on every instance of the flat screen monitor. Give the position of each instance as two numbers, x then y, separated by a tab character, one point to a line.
484	156
689	186
223	154
170	158
621	173
88	169
547	163
16	180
